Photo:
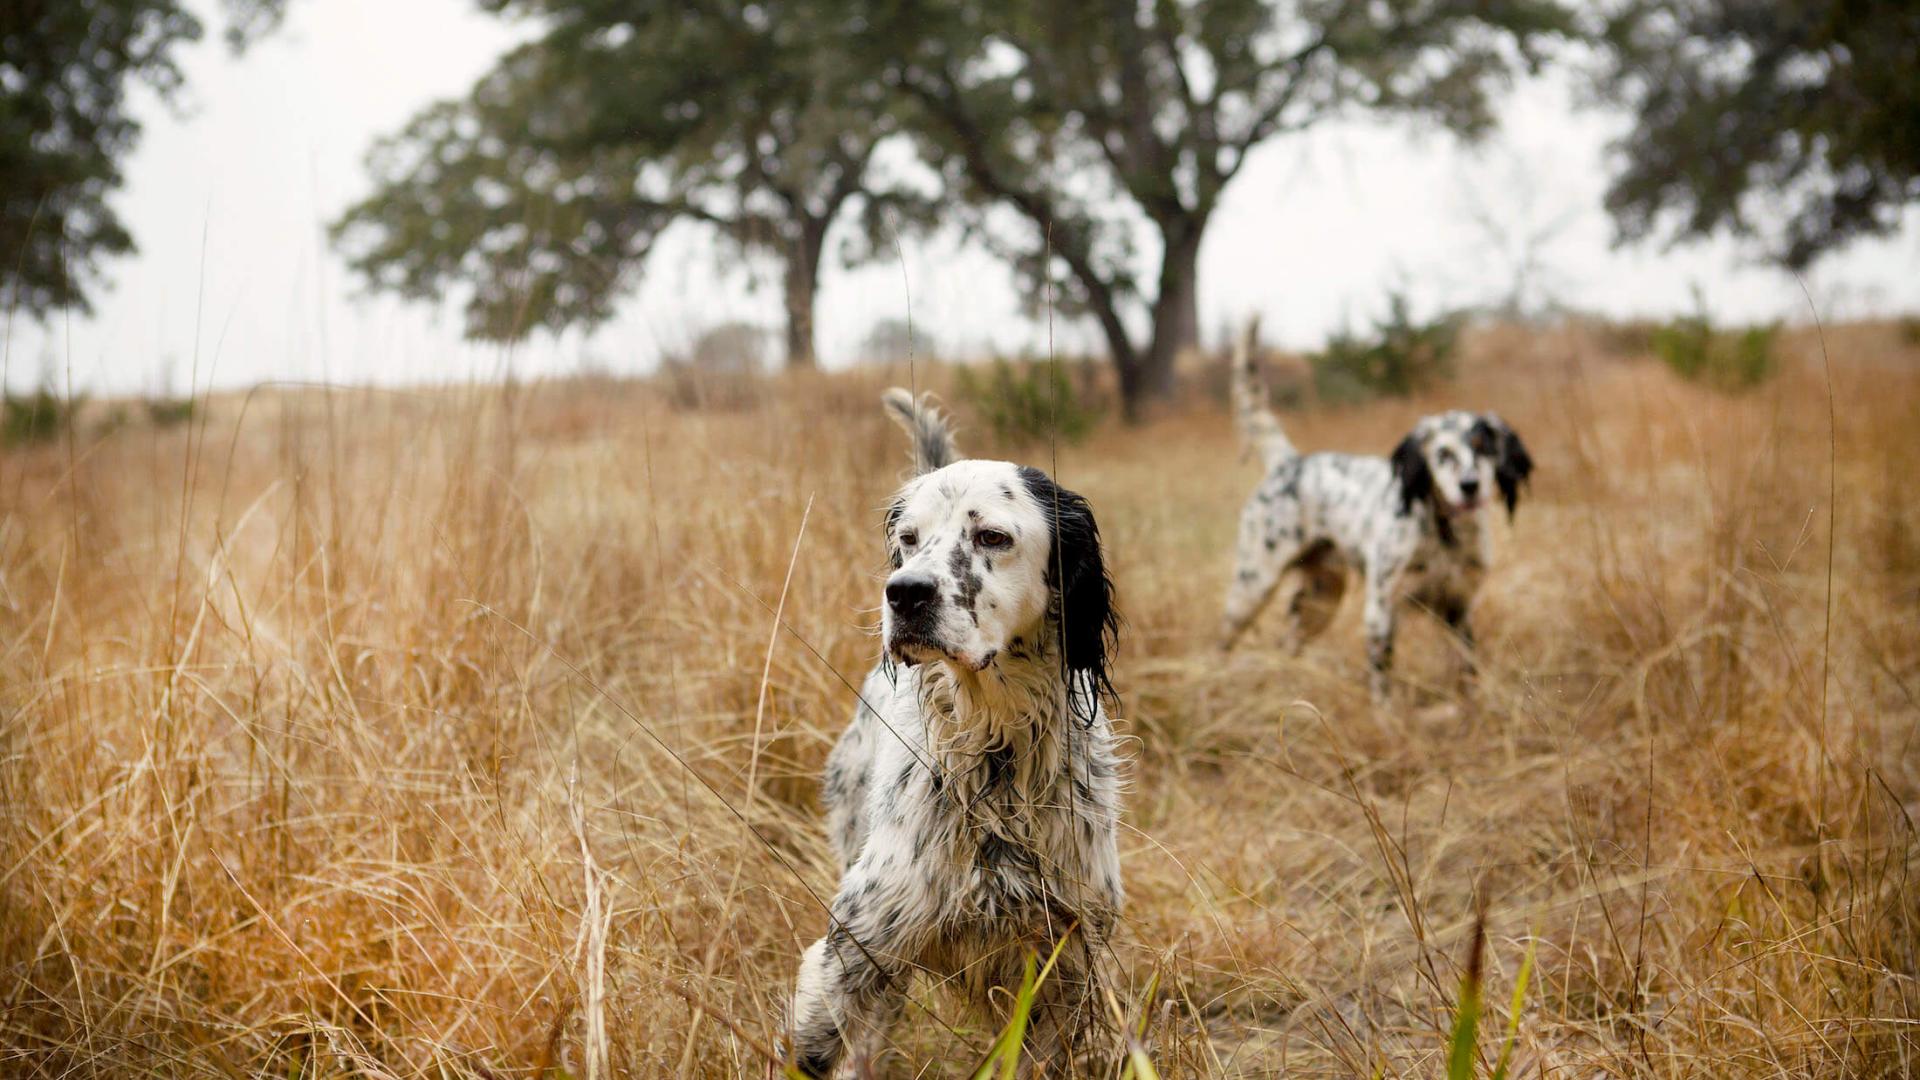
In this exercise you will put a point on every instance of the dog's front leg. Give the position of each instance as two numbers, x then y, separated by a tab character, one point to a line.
853	982
1379	626
1068	1027
847	998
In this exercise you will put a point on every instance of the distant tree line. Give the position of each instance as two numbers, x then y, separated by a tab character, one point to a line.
1058	134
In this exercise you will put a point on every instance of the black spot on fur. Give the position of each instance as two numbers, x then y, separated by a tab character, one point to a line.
1410	469
960	561
819	1064
996	852
1089	624
999	765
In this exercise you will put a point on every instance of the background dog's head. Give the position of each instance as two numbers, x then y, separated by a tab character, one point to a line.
1456	459
995	562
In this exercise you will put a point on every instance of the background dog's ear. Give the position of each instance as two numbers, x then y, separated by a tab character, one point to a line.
1410	468
1083	591
1513	464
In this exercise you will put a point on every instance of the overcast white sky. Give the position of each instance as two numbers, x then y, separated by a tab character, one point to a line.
227	198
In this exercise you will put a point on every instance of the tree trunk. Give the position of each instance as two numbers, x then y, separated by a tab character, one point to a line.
1176	310
802	283
1126	360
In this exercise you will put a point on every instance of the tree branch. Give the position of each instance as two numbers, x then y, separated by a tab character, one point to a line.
1064	238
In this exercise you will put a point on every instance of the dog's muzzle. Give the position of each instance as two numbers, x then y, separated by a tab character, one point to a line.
913	602
911	597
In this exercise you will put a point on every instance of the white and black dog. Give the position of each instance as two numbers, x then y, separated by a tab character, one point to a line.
973	800
1410	522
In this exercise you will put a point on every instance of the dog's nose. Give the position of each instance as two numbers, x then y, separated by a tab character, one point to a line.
1469	487
910	594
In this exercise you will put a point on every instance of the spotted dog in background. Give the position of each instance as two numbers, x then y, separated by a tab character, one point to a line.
973	800
1410	523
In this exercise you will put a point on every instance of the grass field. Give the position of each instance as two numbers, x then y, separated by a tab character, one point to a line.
452	733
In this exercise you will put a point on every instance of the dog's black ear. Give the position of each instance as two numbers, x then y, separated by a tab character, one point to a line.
1089	624
1410	469
1512	464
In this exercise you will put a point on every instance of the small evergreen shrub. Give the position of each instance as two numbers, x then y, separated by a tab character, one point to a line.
168	412
1724	359
1401	356
1028	401
34	417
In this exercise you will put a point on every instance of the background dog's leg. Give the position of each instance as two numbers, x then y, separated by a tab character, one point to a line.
1313	598
1256	572
1379	620
1455	613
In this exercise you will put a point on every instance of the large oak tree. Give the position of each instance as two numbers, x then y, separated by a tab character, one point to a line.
1090	118
65	68
540	194
1792	122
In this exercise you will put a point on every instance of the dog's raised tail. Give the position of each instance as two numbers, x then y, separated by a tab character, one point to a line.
1251	412
932	435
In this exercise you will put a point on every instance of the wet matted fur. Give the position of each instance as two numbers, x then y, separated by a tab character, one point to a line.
973	800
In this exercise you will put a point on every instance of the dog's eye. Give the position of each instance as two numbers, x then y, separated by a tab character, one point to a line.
1445	456
992	538
908	538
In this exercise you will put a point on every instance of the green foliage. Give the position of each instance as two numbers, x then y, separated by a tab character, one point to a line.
1463	1043
250	20
1028	401
1745	108
1514	1008
1401	356
1087	126
1003	1057
539	196
1619	337
35	417
169	412
1137	1065
1697	351
65	70
66	67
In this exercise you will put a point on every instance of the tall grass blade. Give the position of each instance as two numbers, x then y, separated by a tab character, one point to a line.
1004	1056
1513	1011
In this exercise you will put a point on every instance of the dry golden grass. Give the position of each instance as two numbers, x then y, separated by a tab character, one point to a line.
426	734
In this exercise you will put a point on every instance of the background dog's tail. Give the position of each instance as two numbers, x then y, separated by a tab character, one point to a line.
1251	413
933	445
